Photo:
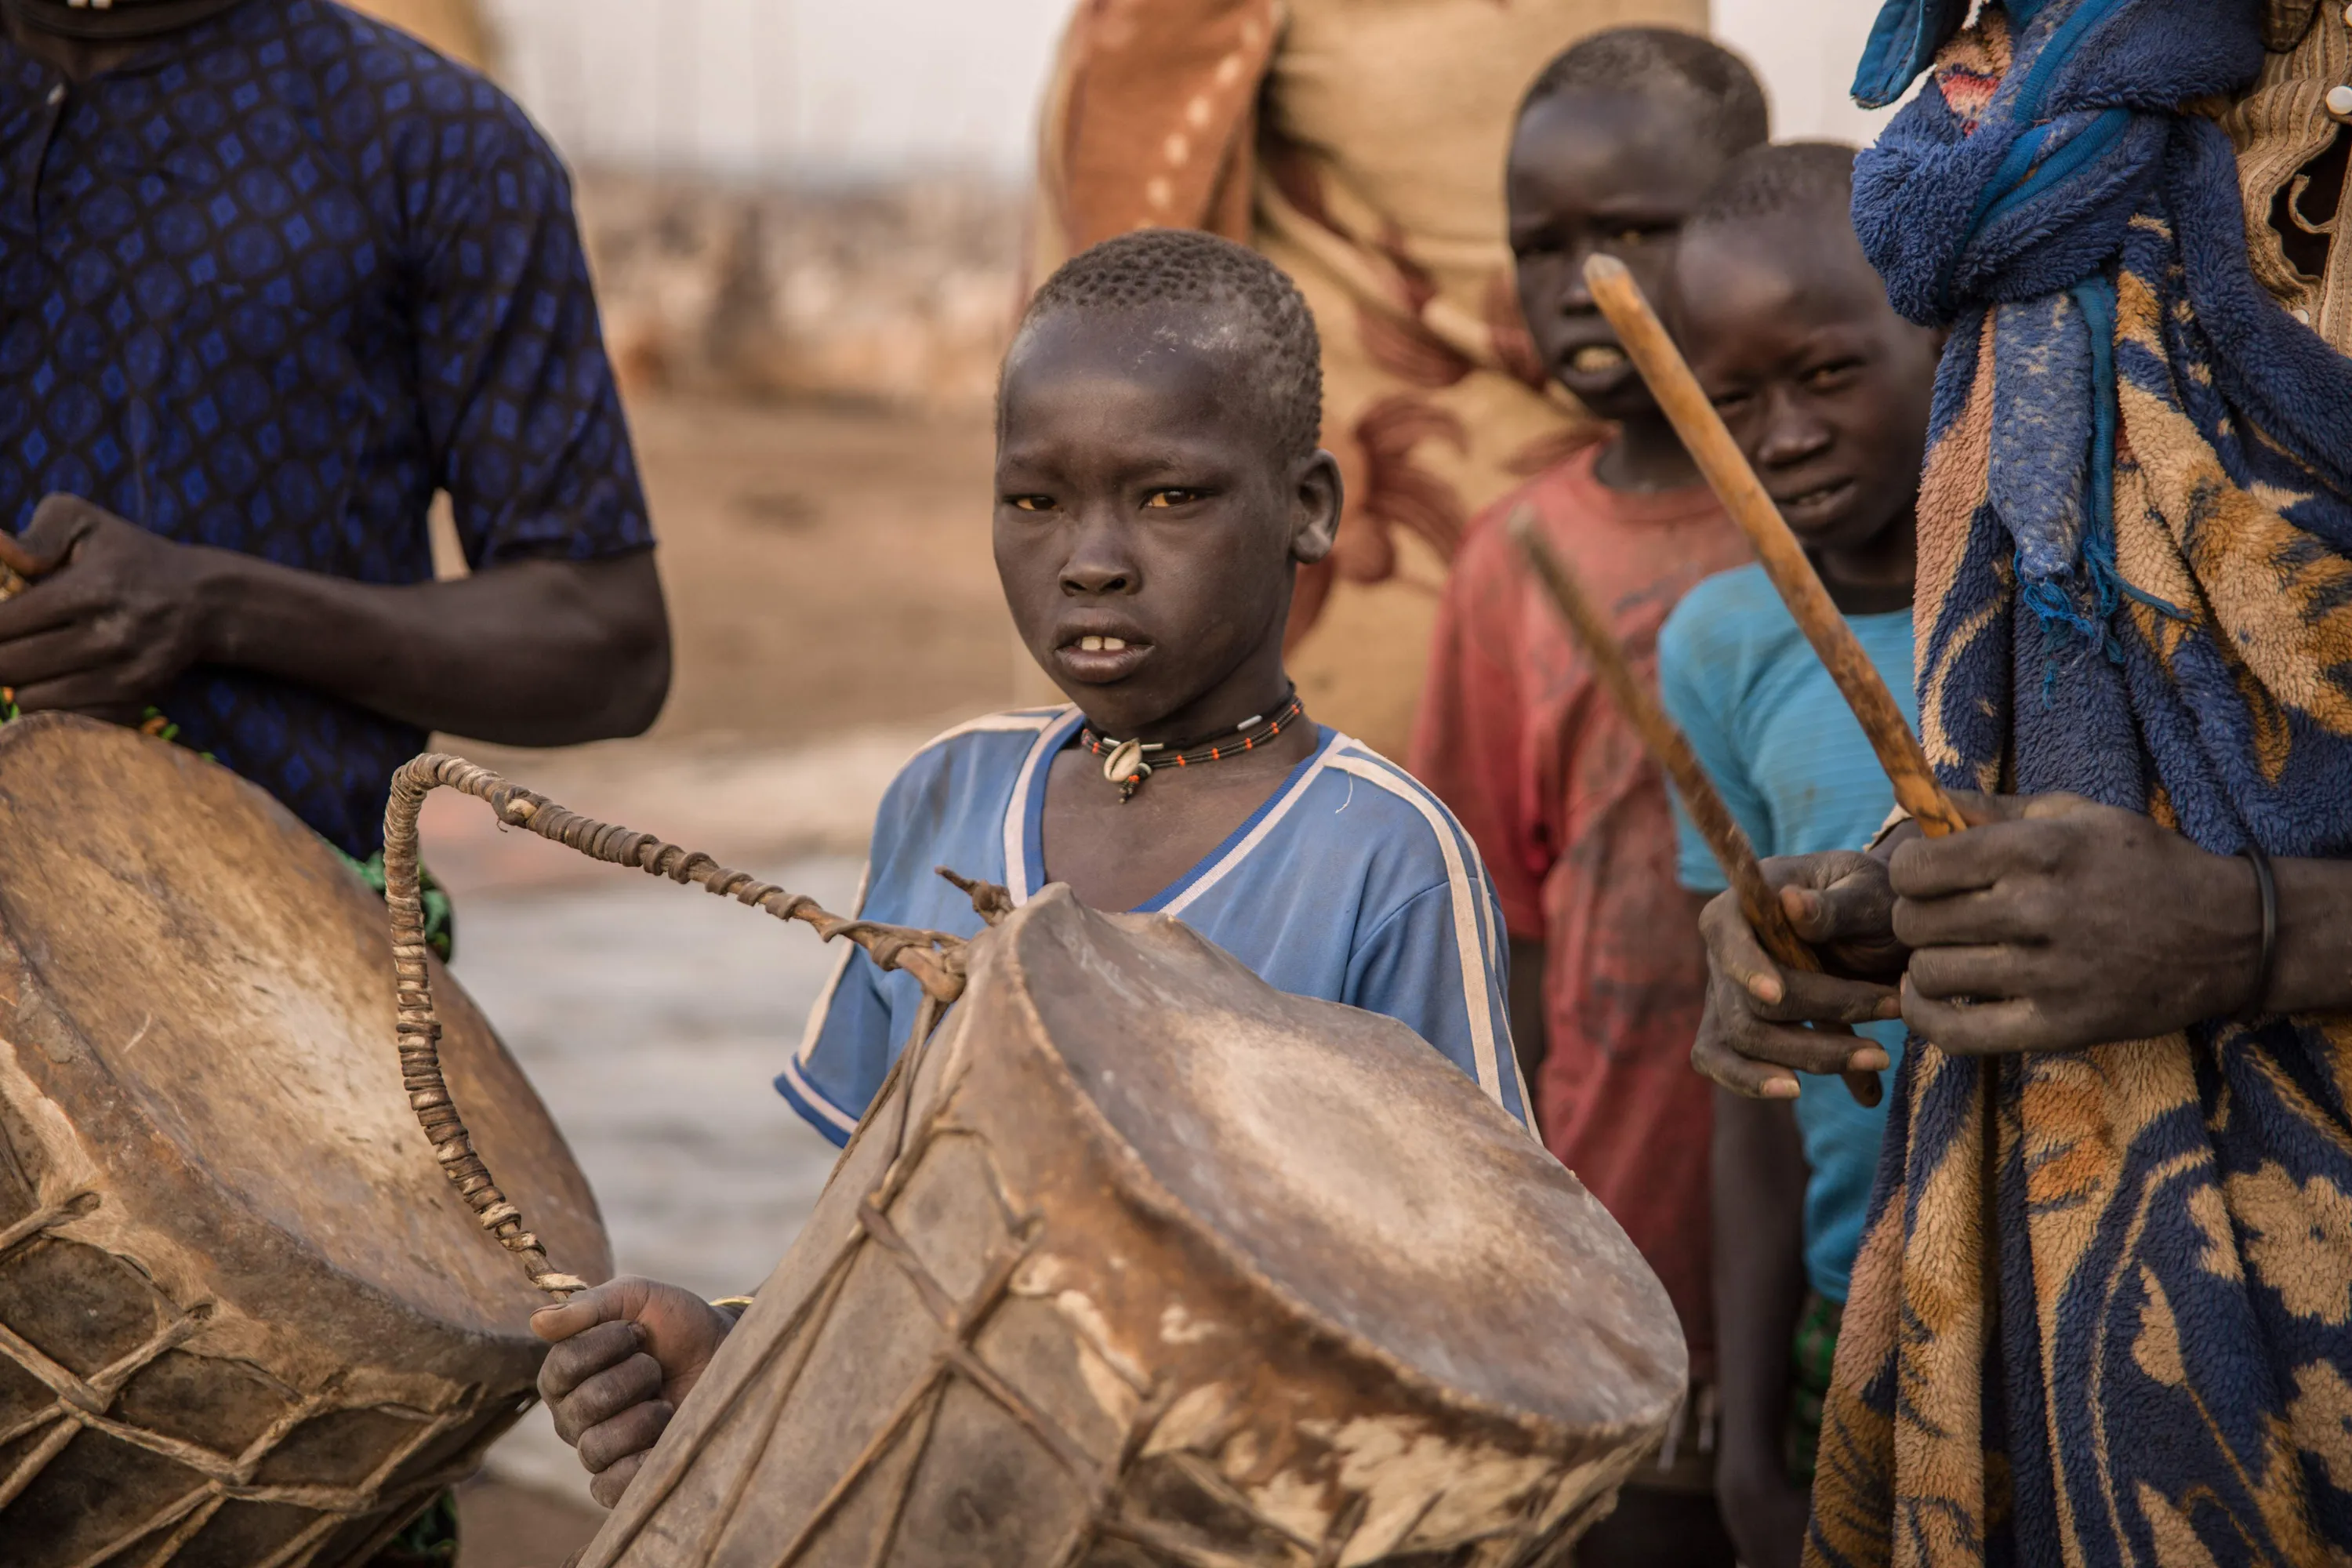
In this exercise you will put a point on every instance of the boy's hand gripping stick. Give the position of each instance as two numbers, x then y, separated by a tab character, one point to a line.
1719	457
1666	742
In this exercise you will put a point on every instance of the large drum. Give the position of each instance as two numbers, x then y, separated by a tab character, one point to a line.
1146	1263
244	1321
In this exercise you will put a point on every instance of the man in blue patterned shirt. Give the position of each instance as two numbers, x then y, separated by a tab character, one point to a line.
271	274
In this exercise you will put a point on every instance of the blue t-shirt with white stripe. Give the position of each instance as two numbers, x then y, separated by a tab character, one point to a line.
1794	767
1351	883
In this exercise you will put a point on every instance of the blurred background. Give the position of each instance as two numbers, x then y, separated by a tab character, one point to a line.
807	221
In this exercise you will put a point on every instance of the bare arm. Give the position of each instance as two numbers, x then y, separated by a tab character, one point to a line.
1759	1177
1527	1033
2313	973
535	652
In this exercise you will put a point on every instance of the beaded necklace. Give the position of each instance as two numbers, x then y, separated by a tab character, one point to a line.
1128	763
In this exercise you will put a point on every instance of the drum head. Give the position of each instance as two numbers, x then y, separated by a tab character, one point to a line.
1355	1168
216	1010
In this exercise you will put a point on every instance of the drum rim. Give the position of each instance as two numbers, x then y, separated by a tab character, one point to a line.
259	1264
1143	1186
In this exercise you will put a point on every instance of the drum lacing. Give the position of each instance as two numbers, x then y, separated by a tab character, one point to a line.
935	959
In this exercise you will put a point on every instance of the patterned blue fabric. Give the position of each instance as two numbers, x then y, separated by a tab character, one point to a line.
266	287
2102	1314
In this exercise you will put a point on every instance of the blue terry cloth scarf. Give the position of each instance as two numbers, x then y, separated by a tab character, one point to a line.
2102	1312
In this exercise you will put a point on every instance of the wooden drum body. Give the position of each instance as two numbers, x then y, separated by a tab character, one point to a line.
244	1321
1146	1263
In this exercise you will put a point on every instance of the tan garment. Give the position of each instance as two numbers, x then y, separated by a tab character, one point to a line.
2282	128
455	27
1370	139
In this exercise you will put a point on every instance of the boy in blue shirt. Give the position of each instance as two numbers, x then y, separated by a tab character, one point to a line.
1827	390
1158	484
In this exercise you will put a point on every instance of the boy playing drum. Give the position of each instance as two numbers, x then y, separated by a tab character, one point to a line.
1158	486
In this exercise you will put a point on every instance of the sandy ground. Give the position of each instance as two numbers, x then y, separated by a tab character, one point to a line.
833	603
828	570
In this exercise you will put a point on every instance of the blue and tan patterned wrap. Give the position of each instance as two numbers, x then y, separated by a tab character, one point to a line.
2110	1323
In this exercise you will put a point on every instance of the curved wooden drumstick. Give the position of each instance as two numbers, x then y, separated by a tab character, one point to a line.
1719	456
20	568
1666	742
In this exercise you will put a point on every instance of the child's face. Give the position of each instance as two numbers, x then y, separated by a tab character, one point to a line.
1615	173
1145	529
1825	388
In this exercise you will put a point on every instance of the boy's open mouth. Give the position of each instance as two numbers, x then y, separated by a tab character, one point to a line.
1809	504
1596	369
1100	658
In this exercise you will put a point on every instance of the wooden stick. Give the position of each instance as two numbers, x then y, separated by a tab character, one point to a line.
1719	456
1733	852
18	569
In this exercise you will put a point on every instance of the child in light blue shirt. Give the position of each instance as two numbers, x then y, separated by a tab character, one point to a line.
1790	761
1827	392
1349	883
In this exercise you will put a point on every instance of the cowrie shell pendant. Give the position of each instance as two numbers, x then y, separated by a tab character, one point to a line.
1125	761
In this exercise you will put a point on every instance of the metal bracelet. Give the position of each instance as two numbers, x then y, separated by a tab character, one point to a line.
2266	887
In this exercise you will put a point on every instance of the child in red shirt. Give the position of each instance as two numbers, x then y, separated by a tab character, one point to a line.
1616	144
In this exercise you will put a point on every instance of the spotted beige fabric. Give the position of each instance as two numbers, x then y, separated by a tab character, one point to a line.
2292	168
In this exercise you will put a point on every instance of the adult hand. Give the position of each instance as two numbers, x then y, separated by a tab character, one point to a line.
113	616
626	1353
1751	1034
2061	924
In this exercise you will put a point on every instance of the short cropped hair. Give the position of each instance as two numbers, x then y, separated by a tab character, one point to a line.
1712	82
1802	178
1271	331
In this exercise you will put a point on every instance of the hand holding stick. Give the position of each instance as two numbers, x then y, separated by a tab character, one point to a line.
20	568
1757	900
1710	445
18	571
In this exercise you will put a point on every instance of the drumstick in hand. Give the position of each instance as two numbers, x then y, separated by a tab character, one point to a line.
1719	456
1666	742
18	567
18	570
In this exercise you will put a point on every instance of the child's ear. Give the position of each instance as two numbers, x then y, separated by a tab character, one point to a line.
1317	500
